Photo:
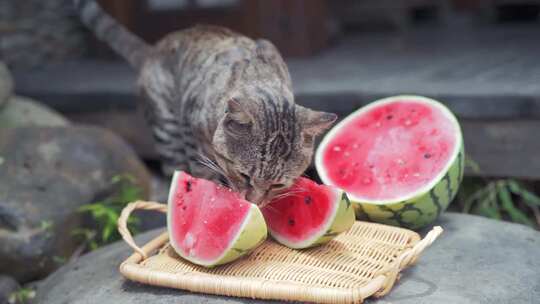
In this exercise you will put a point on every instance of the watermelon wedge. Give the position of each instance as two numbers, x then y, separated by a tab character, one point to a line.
399	158
208	224
308	214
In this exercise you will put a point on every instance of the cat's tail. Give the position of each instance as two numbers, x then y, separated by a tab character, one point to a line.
120	39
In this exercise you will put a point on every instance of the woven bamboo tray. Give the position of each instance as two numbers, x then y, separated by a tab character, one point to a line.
363	262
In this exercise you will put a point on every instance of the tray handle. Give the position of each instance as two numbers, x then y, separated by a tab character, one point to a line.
126	212
407	258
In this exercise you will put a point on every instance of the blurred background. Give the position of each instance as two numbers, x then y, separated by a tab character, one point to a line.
479	57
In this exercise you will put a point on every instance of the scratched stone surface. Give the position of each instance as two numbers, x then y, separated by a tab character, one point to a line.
476	260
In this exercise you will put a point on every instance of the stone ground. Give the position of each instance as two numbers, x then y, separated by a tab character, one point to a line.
476	260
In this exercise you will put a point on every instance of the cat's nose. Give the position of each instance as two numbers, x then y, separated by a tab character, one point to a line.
254	196
261	192
266	186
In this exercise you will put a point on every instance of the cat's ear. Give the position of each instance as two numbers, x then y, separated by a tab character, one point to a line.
237	119
316	122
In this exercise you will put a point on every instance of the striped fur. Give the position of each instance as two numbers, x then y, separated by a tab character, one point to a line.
129	46
214	94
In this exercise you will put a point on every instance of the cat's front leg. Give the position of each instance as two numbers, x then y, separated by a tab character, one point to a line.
168	137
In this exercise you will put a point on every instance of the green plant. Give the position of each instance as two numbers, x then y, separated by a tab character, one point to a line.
506	199
59	260
22	296
105	213
47	226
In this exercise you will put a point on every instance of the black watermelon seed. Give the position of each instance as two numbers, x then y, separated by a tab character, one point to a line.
291	222
188	186
427	156
389	117
307	200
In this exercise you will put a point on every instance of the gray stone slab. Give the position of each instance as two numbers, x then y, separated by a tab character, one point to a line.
473	61
475	261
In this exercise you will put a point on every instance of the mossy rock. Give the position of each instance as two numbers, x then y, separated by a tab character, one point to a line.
6	84
25	112
46	175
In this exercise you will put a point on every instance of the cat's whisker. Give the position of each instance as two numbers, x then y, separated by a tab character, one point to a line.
210	164
287	194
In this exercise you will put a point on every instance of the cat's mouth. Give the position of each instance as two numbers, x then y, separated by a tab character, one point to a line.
257	198
241	183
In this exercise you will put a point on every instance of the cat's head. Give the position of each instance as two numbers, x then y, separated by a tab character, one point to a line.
263	144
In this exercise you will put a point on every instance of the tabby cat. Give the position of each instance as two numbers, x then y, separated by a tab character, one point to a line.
213	94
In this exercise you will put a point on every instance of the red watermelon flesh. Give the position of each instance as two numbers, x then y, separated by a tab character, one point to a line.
307	212
204	217
390	150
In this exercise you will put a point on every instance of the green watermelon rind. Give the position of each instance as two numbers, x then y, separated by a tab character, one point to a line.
341	220
251	234
421	207
419	211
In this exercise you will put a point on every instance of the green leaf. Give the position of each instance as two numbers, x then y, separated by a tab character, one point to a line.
123	178
473	165
134	221
488	206
105	213
59	260
529	198
91	207
477	196
107	231
93	245
21	296
508	205
46	225
488	212
127	194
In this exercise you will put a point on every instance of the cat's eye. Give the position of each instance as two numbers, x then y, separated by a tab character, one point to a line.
246	178
237	127
278	186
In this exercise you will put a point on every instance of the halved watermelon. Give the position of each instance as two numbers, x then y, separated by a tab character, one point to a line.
308	214
400	158
209	224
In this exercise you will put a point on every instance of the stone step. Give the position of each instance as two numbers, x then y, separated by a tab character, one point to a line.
475	261
480	72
